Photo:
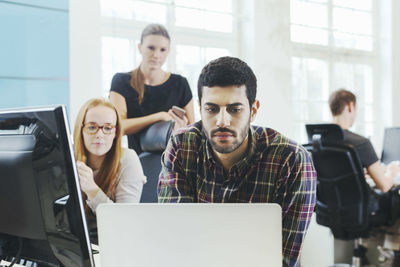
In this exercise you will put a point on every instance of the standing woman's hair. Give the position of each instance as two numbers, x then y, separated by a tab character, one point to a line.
137	78
106	177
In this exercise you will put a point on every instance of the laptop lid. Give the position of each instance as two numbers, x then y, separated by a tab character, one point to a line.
197	235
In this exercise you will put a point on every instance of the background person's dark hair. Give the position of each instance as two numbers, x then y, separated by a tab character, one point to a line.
339	99
227	71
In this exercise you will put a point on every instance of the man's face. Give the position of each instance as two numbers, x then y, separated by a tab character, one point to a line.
226	116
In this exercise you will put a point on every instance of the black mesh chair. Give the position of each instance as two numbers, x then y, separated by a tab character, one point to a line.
153	142
345	202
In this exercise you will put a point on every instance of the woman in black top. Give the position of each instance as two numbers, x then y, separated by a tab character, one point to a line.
147	94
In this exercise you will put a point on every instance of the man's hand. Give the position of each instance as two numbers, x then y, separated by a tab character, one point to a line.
393	169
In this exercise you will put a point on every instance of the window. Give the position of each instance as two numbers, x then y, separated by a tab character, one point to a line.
118	54
204	14
339	23
333	47
200	30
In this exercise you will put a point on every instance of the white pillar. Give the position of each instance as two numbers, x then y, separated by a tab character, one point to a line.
265	46
396	62
85	53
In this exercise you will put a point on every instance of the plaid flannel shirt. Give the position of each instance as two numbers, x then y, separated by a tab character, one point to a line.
275	170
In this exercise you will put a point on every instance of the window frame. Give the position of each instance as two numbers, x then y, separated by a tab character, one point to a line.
332	54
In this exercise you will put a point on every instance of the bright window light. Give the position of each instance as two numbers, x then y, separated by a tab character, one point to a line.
355	4
150	12
309	14
347	20
307	35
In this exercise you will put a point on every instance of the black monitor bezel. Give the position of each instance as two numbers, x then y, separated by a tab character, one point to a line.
61	117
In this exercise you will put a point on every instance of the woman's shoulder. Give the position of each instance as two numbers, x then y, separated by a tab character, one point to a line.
131	168
178	81
121	83
128	156
177	77
121	78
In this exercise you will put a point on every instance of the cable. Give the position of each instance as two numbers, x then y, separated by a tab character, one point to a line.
18	256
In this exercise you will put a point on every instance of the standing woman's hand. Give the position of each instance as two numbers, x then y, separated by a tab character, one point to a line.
86	180
164	116
179	122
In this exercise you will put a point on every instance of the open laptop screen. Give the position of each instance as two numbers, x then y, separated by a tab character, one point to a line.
391	145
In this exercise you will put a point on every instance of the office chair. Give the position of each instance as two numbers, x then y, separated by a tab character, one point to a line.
345	202
153	142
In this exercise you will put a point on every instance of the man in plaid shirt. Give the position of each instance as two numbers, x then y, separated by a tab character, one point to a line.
223	159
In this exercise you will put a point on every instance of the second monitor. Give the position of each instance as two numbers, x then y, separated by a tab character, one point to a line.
41	208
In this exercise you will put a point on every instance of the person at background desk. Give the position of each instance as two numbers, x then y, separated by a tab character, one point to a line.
223	159
107	172
147	94
343	108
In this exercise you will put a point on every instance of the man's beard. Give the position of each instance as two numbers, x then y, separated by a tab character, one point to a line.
235	145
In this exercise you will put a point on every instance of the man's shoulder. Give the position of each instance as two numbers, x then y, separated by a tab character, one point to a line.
267	137
354	139
191	134
272	141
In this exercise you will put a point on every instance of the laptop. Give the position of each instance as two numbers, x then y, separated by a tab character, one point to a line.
391	145
196	235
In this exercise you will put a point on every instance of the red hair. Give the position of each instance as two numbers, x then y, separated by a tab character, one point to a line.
106	178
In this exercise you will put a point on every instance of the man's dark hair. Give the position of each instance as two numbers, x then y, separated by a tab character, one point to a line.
227	71
339	100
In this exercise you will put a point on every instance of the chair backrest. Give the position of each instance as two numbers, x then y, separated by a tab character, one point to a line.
342	192
151	164
153	141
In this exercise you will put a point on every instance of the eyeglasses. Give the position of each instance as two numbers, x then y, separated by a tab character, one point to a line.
93	128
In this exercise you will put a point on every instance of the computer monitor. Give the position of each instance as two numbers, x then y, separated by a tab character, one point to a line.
391	145
41	208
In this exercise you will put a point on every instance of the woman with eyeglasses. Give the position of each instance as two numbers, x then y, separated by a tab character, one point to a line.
148	93
107	172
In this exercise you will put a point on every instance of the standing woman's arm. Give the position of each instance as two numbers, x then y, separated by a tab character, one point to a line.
135	125
190	112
